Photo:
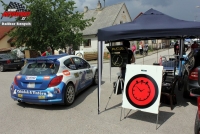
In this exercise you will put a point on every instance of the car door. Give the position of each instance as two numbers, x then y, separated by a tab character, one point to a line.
85	74
73	71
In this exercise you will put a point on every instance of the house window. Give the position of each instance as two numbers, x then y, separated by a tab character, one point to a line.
87	43
146	42
153	41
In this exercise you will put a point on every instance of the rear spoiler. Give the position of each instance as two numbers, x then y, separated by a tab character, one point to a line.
50	58
41	59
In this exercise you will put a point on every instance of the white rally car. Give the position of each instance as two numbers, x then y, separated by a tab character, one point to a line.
53	79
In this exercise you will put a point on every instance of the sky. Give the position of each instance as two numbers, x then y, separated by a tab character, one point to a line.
180	9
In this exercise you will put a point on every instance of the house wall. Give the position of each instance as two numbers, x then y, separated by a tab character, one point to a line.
3	42
122	17
93	47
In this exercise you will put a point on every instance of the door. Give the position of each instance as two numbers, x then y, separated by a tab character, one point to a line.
85	73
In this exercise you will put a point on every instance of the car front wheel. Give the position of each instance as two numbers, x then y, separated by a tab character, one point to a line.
18	68
96	79
69	94
2	68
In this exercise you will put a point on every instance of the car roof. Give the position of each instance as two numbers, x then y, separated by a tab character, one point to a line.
59	57
50	57
55	56
4	54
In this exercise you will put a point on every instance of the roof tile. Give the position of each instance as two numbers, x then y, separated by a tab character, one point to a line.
103	18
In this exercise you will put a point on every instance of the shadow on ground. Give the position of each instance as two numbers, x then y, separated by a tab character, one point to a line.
78	100
163	116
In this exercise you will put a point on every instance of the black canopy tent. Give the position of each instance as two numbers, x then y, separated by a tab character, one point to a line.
150	25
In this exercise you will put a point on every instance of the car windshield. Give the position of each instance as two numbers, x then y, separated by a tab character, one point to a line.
40	69
5	56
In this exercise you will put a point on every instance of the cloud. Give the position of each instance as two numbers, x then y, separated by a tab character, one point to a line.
91	4
181	9
156	3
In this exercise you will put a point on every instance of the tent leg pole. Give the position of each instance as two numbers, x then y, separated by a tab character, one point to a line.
99	64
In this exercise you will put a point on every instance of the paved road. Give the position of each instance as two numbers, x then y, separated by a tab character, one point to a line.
82	117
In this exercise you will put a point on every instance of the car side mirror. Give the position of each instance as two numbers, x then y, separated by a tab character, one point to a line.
195	92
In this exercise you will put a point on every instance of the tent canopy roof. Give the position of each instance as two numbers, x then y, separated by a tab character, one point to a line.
151	25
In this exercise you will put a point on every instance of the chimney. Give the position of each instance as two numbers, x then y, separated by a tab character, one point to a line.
85	9
98	5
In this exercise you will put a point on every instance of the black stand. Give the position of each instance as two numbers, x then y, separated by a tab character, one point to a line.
119	82
157	117
131	110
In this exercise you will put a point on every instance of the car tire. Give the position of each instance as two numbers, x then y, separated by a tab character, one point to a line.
69	95
196	125
95	80
18	68
2	69
186	93
180	83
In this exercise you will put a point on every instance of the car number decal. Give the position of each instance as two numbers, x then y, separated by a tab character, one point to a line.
41	97
31	85
20	95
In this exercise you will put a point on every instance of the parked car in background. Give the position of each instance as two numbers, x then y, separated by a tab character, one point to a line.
188	44
196	93
54	79
7	61
191	72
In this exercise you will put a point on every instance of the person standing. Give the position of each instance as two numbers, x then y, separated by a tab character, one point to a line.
140	48
134	48
70	50
176	48
146	47
194	46
47	52
131	58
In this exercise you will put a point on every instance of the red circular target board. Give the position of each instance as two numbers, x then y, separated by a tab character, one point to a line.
142	91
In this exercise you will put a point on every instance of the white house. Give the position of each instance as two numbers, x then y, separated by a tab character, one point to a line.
104	17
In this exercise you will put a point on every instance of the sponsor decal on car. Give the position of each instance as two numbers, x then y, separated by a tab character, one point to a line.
29	92
66	73
76	75
31	78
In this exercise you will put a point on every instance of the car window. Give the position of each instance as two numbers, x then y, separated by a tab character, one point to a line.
40	69
69	63
80	63
7	56
4	56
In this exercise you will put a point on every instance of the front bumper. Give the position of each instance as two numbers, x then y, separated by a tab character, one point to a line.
45	101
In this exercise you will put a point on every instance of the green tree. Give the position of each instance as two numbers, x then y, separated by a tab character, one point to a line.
55	23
